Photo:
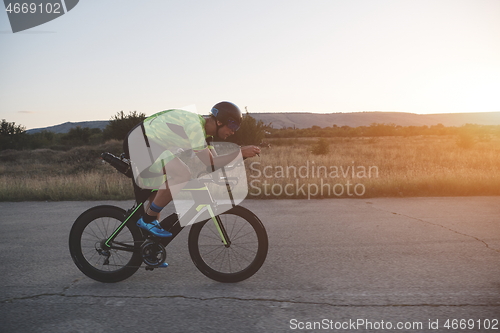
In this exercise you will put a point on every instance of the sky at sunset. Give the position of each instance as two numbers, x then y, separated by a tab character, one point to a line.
322	56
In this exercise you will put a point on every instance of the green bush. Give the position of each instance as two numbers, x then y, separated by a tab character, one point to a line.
465	140
321	147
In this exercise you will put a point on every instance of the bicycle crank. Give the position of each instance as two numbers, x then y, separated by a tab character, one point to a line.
153	254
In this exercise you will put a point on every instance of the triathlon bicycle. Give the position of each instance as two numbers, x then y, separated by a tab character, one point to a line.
229	245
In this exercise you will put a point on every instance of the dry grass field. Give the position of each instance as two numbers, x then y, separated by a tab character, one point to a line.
353	167
383	166
78	174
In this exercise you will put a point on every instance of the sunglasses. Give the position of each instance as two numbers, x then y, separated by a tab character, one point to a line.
233	125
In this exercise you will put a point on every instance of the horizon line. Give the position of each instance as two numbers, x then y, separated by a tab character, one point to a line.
303	112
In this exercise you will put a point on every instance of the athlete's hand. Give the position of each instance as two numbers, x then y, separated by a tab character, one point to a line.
250	151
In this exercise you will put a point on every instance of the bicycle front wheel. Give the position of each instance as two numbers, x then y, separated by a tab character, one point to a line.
93	257
236	261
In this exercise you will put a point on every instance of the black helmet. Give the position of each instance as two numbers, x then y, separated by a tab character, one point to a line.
228	114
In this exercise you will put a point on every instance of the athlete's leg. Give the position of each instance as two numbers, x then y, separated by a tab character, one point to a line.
179	174
148	204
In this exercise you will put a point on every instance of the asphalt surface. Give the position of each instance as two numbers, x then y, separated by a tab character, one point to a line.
351	265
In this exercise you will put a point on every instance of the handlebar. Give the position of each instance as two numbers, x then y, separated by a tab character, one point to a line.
219	180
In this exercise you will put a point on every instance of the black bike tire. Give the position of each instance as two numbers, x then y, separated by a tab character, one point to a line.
251	269
82	263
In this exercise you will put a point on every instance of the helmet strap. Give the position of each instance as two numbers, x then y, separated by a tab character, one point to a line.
217	129
216	136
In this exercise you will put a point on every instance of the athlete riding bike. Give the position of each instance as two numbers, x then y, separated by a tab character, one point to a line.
164	155
167	135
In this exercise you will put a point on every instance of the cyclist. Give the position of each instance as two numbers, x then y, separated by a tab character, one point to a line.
175	130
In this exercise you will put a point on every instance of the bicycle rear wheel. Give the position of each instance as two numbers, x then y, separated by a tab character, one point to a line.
92	257
239	260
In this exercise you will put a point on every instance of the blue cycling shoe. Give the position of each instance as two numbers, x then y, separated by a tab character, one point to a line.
150	268
154	228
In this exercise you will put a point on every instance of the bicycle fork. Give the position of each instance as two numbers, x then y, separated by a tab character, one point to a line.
220	227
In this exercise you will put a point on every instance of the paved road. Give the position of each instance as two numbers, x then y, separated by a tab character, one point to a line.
331	263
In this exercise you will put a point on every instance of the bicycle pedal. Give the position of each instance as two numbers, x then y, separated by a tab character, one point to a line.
163	265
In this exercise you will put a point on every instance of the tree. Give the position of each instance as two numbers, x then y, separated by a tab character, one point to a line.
321	147
41	139
79	136
251	131
121	123
11	135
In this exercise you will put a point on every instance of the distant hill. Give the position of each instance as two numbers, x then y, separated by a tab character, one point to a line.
352	119
355	119
65	127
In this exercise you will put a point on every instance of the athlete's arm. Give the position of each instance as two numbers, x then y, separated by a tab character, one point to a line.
210	159
250	151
